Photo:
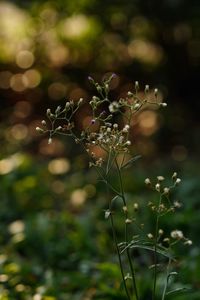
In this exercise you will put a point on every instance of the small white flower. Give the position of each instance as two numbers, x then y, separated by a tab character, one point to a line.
43	123
113	107
50	141
147	181
163	104
160	178
188	242
177	234
178	180
128	221
128	143
126	128
150	236
136	106
166	191
38	129
174	176
157	187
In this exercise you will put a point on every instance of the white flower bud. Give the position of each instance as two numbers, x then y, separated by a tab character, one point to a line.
150	236
44	123
80	101
38	129
147	181
50	141
178	180
177	234
136	85
128	221
146	88
125	209
188	242
48	112
157	187
160	178
166	191
128	143
174	176
156	92
136	106
163	104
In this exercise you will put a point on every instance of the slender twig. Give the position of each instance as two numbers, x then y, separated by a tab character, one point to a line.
126	233
155	251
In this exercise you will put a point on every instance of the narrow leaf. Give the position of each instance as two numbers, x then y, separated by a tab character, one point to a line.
131	161
177	290
158	250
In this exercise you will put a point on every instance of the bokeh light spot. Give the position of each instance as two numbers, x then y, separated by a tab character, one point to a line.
32	78
78	197
17	83
19	132
25	59
59	166
148	122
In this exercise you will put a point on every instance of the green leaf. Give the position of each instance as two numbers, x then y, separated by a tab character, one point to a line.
177	290
126	165
159	250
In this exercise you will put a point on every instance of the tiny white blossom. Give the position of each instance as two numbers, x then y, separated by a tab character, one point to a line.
178	180
188	242
160	178
113	107
157	187
150	235
163	104
166	190
147	181
50	141
177	234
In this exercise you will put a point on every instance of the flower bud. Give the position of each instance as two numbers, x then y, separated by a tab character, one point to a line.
146	88
163	104
178	180
166	191
150	236
128	221
174	176
160	178
38	129
155	92
147	181
48	112
136	85
157	187
50	141
44	123
125	209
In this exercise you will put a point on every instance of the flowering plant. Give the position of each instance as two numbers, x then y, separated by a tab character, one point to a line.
114	141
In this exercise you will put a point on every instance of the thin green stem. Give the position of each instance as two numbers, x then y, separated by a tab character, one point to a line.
126	232
155	251
119	256
166	281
